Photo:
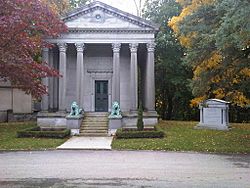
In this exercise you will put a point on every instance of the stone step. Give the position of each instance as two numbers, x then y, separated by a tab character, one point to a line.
96	114
94	123
93	131
89	126
93	134
96	117
94	128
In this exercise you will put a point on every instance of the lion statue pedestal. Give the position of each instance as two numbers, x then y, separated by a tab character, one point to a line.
74	119
115	118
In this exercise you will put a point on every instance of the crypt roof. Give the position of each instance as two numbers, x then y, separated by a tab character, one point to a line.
98	16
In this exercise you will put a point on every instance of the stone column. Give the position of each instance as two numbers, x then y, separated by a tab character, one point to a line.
150	79
45	81
133	77
63	79
116	72
51	81
56	80
79	73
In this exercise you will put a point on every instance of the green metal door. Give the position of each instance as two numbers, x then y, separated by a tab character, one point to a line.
101	96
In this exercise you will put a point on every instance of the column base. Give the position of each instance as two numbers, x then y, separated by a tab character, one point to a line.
213	127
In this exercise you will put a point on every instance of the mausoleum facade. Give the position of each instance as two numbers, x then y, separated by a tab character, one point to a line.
101	59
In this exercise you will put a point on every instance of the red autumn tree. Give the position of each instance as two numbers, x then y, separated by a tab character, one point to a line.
23	26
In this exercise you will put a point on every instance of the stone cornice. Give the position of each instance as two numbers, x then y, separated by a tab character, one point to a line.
142	23
99	71
108	30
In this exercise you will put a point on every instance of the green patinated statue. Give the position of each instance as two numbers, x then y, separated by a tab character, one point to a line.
116	111
74	109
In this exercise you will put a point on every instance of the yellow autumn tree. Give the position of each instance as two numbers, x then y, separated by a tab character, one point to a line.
58	6
216	48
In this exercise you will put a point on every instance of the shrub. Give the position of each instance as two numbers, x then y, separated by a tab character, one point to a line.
126	134
37	132
140	124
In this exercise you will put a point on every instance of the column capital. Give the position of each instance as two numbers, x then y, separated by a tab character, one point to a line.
79	47
151	47
116	47
133	47
45	49
62	47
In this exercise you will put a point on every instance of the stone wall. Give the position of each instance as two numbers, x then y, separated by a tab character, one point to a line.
13	101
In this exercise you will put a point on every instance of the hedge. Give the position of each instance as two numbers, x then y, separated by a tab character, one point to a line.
37	132
125	134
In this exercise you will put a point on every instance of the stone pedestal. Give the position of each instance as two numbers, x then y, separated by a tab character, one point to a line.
115	123
74	123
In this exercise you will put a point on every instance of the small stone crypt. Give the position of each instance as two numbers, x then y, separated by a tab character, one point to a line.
101	59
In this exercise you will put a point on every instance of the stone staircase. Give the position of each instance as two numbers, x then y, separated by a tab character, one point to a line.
94	124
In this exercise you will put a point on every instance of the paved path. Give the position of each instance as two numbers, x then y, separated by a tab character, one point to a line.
123	169
87	143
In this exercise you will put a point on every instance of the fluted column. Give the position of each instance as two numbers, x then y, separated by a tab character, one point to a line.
79	73
116	72
45	81
150	78
51	81
133	77
63	78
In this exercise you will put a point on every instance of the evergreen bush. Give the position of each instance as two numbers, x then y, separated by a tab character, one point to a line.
121	134
140	124
37	132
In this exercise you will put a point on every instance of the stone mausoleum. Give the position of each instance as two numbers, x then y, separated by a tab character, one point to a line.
101	58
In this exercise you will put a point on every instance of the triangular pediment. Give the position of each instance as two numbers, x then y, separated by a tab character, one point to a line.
98	15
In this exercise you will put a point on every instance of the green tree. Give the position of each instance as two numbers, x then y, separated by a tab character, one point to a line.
172	74
77	3
216	35
61	7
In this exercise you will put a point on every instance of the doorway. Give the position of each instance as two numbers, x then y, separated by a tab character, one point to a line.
101	95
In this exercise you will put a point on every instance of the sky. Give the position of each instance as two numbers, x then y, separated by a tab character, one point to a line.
125	5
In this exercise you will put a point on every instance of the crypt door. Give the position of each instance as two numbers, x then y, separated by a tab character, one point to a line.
101	95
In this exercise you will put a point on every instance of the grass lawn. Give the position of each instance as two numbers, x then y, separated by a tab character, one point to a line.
9	141
180	136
